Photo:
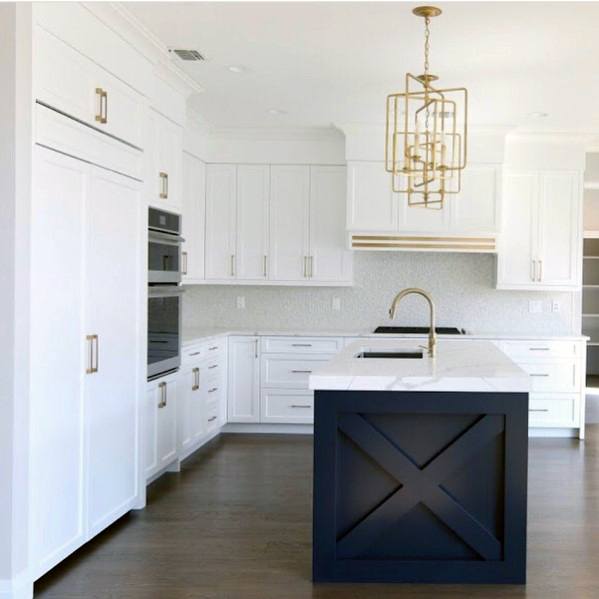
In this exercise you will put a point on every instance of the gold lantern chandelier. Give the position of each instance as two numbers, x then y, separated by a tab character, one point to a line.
426	133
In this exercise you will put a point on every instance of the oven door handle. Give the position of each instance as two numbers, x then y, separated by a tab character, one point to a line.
173	239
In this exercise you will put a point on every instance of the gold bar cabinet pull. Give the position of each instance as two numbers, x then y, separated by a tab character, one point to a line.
162	402
93	354
196	379
163	185
102	116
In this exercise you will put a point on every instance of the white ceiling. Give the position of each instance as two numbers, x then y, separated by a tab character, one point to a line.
329	63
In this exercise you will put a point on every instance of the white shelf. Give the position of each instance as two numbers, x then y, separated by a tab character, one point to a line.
590	315
590	286
591	184
591	234
590	257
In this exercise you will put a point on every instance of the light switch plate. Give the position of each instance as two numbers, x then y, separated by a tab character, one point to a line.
336	304
241	302
555	306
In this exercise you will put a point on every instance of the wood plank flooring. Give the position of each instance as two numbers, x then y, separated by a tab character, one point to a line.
236	524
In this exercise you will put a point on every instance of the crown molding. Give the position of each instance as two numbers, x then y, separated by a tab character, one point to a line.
127	26
278	133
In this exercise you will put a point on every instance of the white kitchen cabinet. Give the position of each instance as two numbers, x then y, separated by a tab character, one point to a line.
191	406
194	218
289	218
221	221
540	245
112	314
69	82
165	167
161	425
243	390
374	209
371	204
85	351
476	208
251	248
287	406
329	258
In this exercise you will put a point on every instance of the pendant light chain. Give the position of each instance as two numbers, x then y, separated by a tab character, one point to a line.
427	45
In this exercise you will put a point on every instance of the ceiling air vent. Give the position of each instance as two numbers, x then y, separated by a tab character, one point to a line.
188	54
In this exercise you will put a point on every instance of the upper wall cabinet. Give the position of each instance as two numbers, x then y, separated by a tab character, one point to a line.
67	81
373	209
540	246
194	218
221	219
276	225
165	166
289	222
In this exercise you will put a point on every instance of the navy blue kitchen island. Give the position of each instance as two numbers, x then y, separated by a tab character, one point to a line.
418	485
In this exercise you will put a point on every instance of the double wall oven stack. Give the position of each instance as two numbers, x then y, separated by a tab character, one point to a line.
164	292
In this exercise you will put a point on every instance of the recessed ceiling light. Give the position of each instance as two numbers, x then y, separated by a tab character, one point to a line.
276	111
538	115
236	68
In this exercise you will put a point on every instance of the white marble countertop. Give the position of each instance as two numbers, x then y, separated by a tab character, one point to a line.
197	334
460	365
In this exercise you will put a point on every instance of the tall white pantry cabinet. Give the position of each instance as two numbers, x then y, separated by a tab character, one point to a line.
81	149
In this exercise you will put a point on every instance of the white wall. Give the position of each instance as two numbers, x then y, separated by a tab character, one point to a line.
7	324
15	155
463	286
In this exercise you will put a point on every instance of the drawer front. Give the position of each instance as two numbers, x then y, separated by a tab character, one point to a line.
289	372
287	407
192	353
300	345
552	376
212	415
561	411
539	350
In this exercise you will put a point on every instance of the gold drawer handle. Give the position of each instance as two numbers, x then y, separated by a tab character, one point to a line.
213	366
162	403
212	419
94	354
102	116
301	371
538	410
163	185
196	379
298	405
213	390
538	374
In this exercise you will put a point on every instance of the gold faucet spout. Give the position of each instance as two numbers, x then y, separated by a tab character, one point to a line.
432	335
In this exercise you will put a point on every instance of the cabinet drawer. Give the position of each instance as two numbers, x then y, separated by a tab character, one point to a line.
539	350
212	414
288	371
553	411
557	376
285	406
193	353
300	345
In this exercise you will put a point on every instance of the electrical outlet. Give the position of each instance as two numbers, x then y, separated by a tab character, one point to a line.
240	302
535	306
555	306
336	304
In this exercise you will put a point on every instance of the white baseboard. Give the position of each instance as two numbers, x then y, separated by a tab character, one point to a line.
294	429
20	587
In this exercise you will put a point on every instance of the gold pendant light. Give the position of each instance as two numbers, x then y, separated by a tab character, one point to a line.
426	133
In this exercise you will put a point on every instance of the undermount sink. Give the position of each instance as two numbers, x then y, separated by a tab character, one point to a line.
396	355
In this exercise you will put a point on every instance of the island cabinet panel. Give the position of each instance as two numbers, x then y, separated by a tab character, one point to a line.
420	487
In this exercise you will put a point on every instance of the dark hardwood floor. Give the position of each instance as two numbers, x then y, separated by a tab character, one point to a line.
236	524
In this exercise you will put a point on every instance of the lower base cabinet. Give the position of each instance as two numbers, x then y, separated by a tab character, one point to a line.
161	424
